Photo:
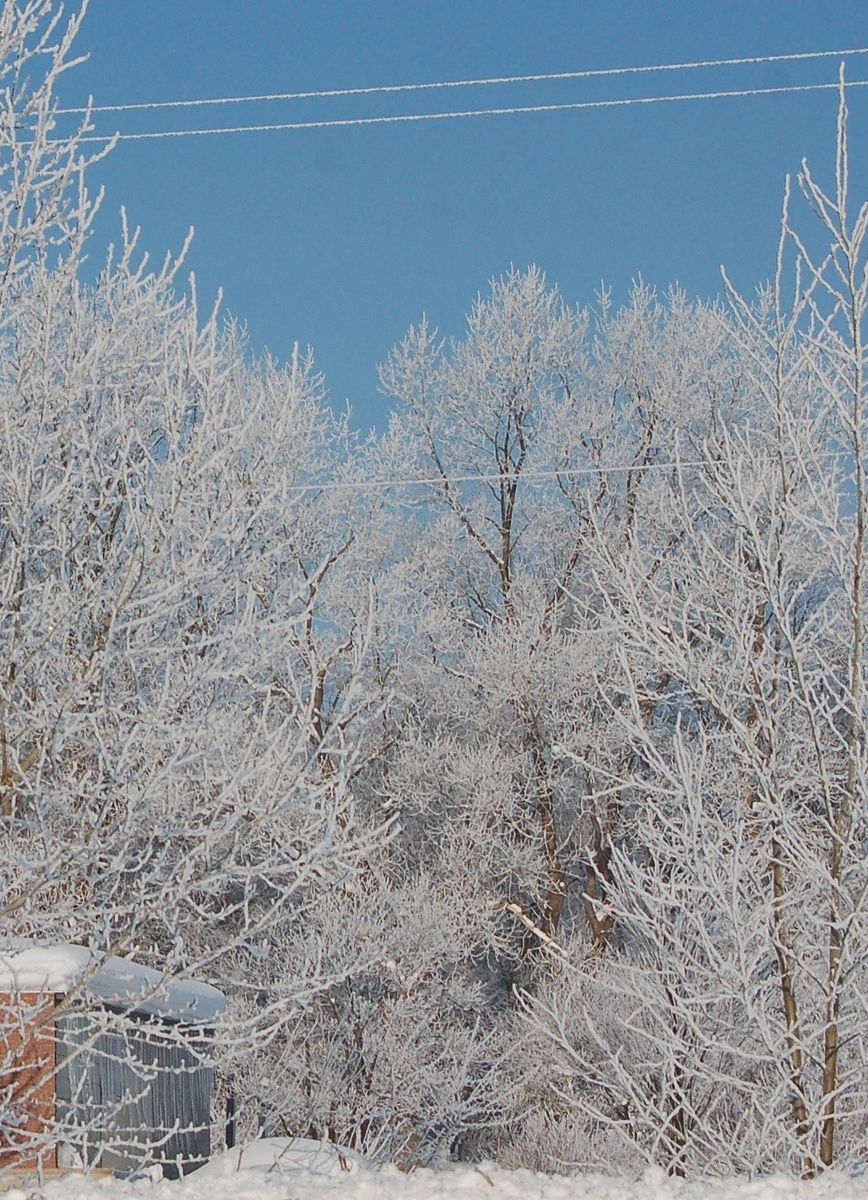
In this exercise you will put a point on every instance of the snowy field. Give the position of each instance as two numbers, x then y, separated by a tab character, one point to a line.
275	1168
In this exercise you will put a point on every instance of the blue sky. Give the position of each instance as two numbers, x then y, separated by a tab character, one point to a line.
340	238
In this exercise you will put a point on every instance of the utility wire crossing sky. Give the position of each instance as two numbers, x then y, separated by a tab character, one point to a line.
593	73
529	476
506	110
343	122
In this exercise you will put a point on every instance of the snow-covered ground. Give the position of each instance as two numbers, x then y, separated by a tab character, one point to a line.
278	1169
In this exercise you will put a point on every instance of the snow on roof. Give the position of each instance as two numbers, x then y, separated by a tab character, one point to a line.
27	966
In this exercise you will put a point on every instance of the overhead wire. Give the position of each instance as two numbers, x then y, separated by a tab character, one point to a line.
590	73
400	118
491	81
367	485
530	475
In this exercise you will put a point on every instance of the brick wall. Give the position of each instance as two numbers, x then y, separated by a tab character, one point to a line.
27	1081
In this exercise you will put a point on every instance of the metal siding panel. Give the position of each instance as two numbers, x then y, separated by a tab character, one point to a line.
133	1096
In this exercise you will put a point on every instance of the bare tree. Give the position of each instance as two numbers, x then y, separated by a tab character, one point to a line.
734	1005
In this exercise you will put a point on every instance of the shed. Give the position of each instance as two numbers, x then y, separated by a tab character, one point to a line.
103	1062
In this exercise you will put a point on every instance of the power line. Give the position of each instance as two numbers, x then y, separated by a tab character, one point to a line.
389	89
345	122
527	475
372	485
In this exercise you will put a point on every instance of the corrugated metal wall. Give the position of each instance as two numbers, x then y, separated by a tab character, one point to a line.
134	1092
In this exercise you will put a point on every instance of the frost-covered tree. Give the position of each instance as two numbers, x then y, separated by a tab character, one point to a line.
487	658
518	811
162	785
624	645
725	1029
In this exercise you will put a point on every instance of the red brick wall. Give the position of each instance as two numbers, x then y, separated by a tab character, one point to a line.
27	1061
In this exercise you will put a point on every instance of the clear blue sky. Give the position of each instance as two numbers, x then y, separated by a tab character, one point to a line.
341	238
